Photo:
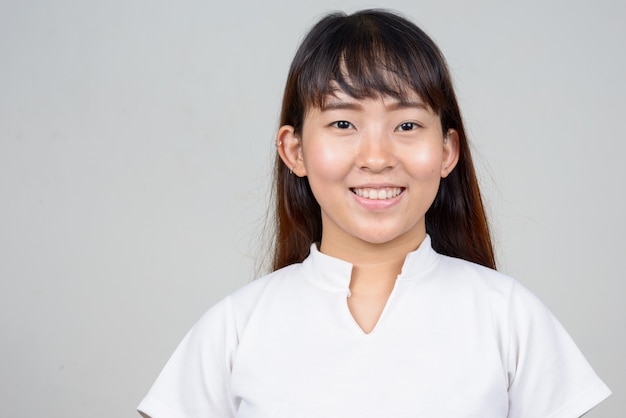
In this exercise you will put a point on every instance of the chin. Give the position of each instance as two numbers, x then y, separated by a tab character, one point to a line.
385	237
379	239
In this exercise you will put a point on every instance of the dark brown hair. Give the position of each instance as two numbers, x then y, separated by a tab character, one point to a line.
375	53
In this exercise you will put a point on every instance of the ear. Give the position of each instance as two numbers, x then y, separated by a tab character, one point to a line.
289	148
450	152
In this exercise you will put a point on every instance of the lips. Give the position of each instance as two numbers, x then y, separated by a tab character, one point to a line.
382	193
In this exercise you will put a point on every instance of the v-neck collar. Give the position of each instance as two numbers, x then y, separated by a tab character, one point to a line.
333	275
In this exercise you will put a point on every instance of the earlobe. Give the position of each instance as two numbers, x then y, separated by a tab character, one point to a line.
451	151
290	150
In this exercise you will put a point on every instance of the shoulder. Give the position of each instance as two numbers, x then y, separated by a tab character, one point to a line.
455	273
466	281
282	280
235	309
462	273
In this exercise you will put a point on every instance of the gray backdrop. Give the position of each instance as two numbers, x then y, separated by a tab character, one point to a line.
135	146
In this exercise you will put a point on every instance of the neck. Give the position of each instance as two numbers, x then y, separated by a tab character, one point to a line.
375	266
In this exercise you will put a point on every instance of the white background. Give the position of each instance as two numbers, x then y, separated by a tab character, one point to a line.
135	147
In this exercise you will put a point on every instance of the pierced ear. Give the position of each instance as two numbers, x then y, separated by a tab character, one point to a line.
450	152
290	150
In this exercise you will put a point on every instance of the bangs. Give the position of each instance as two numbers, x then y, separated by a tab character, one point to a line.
366	57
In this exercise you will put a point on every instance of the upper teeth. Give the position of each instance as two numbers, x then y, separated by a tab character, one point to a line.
378	194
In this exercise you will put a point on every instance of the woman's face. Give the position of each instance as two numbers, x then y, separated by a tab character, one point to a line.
374	166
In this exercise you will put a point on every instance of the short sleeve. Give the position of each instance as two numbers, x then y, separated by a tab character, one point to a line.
548	375
195	381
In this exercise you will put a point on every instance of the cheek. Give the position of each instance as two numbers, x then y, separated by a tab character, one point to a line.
325	162
425	163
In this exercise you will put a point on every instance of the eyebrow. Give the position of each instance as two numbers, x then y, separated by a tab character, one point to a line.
340	105
355	105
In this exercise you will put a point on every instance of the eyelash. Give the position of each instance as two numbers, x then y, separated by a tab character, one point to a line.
344	124
411	125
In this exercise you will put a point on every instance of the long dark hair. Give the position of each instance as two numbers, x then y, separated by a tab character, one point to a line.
368	54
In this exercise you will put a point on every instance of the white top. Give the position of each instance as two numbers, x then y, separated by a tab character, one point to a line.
455	340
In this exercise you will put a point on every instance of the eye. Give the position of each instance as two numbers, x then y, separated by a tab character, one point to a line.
407	126
342	124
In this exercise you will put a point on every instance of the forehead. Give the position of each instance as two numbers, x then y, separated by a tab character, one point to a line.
383	84
338	96
340	100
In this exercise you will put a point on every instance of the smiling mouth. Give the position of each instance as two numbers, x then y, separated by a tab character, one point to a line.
378	194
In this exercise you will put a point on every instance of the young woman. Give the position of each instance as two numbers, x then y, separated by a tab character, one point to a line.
384	301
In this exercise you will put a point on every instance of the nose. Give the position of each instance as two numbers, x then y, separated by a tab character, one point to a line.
376	152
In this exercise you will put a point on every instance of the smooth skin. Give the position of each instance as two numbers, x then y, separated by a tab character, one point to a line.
374	166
